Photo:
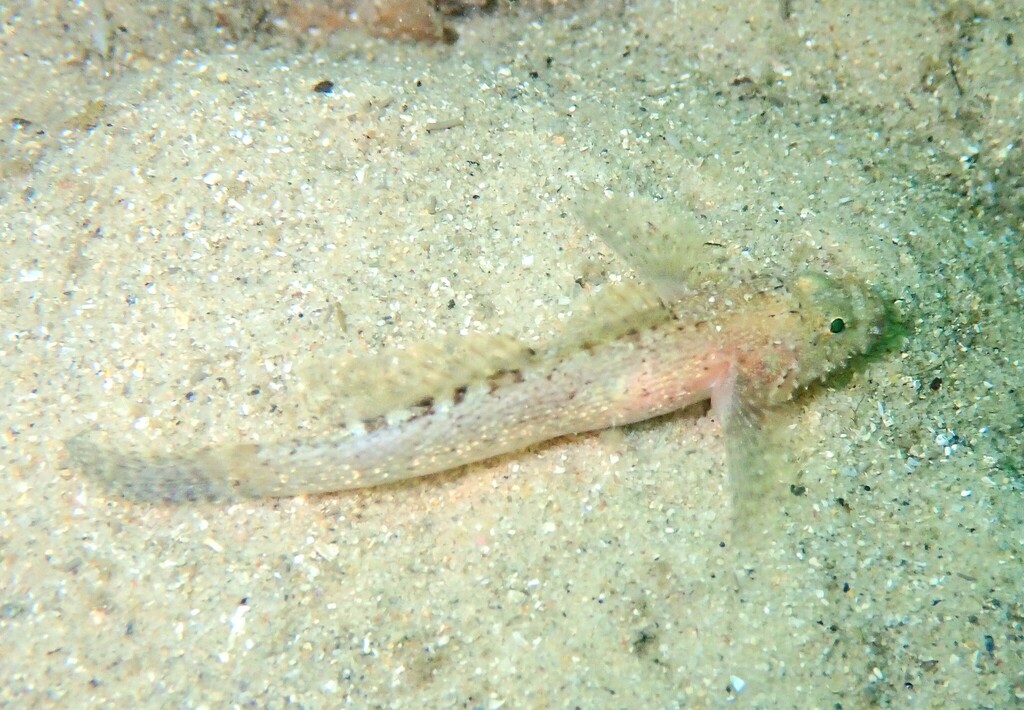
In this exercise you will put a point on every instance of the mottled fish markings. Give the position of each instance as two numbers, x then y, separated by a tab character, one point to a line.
639	351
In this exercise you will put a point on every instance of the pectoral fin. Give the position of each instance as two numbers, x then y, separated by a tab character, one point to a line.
758	466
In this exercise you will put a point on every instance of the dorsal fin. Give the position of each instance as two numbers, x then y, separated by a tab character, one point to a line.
365	387
667	247
616	310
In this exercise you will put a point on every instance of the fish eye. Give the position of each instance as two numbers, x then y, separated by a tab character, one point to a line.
837	326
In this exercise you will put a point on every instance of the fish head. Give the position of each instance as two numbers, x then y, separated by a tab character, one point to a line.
840	319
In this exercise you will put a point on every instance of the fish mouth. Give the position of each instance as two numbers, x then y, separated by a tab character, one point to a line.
873	312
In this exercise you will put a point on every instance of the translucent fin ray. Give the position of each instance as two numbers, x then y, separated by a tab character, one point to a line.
371	386
616	310
667	247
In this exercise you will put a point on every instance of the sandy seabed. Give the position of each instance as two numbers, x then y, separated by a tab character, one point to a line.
188	223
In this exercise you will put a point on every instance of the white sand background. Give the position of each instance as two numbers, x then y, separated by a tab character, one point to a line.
185	229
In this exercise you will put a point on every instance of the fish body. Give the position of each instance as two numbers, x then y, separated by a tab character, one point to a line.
745	348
